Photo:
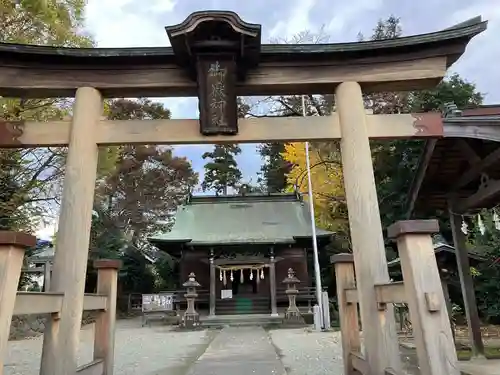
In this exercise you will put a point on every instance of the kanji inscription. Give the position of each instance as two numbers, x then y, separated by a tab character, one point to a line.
218	112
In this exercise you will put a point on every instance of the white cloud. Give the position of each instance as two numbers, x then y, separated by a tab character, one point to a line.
114	24
297	20
347	12
479	62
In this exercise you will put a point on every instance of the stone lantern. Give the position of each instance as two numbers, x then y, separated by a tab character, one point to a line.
191	317
292	312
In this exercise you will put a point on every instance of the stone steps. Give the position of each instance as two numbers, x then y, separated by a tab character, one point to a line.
246	320
241	305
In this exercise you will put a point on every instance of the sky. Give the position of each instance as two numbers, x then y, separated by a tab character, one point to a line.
140	23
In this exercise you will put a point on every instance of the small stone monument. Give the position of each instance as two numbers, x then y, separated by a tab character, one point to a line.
292	312
191	318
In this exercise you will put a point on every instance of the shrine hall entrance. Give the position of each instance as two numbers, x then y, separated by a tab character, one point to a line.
244	284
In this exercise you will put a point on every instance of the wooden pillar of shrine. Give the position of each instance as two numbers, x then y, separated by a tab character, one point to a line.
212	284
272	283
380	341
62	336
467	285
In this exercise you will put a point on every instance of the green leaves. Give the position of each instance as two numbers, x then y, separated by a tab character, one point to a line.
221	171
46	22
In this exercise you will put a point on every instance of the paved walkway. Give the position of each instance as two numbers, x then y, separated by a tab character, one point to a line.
239	350
481	367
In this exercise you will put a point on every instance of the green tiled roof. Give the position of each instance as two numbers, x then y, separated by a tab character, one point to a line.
265	219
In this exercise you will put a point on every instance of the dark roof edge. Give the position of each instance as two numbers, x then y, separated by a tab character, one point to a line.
465	30
217	199
481	115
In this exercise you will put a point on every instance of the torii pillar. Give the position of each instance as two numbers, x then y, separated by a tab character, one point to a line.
380	340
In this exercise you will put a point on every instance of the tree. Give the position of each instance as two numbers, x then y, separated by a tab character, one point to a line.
274	170
32	177
328	187
394	161
47	22
221	171
138	186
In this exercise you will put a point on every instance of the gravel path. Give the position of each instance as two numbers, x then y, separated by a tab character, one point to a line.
146	351
305	352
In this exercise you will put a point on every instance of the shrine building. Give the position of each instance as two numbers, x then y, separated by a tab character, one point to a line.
240	248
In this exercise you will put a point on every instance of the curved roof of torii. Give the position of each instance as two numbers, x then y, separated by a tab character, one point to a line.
43	71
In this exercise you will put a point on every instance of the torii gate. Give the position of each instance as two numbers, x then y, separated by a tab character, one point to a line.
232	61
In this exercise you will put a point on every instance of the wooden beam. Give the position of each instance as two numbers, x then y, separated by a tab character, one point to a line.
476	169
169	80
351	295
466	283
391	293
359	363
488	130
50	303
96	367
386	293
33	270
470	155
484	196
252	130
430	145
37	303
95	302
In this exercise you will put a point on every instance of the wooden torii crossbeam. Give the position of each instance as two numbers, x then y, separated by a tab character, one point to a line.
216	56
251	130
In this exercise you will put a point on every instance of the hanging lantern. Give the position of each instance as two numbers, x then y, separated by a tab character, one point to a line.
224	278
242	278
262	273
220	275
464	228
496	220
480	224
251	274
231	278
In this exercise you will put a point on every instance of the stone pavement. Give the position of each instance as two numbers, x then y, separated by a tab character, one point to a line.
239	350
481	367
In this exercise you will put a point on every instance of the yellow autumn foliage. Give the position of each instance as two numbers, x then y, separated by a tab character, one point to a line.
327	183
